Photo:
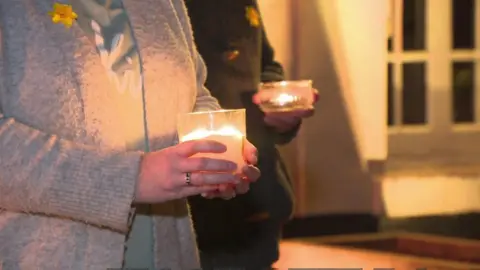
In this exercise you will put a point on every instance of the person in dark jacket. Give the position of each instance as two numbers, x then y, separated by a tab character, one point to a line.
243	232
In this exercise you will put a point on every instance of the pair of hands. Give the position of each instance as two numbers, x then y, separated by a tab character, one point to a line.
163	173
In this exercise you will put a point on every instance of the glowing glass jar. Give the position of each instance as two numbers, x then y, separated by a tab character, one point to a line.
285	96
225	126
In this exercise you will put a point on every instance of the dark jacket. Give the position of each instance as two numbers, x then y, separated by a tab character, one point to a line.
230	37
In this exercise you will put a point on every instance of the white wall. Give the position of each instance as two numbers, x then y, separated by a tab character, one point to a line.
363	32
277	20
341	45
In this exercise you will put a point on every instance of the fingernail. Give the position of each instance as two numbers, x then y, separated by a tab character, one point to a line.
232	166
254	159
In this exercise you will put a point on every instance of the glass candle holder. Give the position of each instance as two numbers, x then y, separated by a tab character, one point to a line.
224	126
285	96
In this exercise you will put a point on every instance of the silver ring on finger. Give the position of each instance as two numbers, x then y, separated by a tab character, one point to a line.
188	178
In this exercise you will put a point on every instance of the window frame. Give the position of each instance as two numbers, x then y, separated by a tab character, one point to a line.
439	135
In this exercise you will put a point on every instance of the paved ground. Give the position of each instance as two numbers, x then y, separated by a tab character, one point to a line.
295	255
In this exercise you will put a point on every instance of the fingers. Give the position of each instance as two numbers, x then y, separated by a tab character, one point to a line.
210	195
225	192
228	191
197	190
250	153
200	179
292	114
256	99
285	121
282	125
306	113
242	187
281	121
252	173
315	95
190	148
206	164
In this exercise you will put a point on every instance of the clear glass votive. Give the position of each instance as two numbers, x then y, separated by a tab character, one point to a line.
225	126
285	96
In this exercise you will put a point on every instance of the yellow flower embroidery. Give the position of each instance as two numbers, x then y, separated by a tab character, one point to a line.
253	16
63	14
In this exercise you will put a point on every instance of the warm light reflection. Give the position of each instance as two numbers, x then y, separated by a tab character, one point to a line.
229	136
204	133
312	254
284	98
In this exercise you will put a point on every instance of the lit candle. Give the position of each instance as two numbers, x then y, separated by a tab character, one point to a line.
283	102
285	96
226	127
284	99
227	135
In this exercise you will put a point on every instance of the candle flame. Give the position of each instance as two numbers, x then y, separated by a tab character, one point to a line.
204	133
284	98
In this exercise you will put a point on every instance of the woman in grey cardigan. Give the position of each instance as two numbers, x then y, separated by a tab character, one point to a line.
87	131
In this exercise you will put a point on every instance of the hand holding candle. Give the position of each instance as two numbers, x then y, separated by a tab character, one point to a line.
227	135
228	128
284	96
249	174
163	173
225	126
286	103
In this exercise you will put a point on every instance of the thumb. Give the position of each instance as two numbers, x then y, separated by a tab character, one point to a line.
256	98
250	153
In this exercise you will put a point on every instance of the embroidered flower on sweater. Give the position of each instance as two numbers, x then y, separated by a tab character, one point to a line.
253	16
63	14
